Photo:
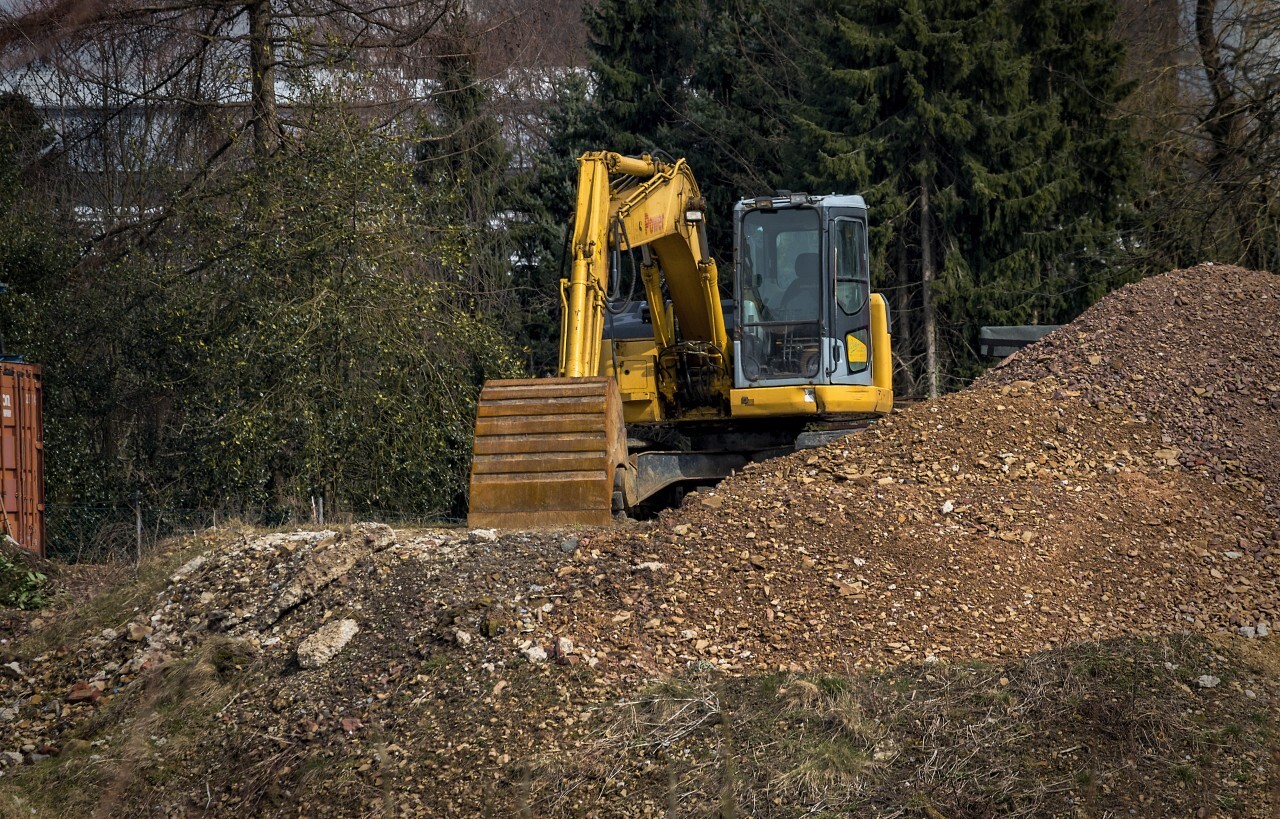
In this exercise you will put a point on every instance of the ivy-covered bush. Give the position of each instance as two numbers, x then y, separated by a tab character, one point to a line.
20	586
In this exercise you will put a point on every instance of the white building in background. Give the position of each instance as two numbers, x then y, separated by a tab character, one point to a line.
127	125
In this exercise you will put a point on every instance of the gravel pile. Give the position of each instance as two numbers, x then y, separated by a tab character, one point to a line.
1117	478
1197	351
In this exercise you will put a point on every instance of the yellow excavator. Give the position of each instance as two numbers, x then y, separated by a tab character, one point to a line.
683	387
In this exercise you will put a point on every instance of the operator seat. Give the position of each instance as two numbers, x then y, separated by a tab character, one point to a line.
800	302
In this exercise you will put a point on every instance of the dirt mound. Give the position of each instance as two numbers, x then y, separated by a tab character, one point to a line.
187	695
968	527
1197	351
1117	479
198	688
1113	479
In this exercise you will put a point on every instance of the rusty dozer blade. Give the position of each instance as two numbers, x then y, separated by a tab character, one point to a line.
546	450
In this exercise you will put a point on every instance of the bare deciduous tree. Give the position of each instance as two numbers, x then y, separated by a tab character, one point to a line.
1208	105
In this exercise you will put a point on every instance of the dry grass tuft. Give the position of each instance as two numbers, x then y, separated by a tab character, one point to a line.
1104	728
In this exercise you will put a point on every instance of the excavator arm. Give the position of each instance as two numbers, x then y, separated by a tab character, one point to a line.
630	203
548	451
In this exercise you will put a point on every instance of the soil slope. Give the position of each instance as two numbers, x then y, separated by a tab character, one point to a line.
1050	594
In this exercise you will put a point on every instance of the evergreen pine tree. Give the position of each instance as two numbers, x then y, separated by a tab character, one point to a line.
711	82
745	89
980	134
641	64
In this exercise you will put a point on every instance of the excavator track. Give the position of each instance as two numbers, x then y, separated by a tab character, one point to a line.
546	451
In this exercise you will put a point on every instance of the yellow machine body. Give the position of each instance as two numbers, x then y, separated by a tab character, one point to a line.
553	451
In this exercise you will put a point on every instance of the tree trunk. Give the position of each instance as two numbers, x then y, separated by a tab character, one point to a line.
1221	122
902	309
263	70
903	297
927	276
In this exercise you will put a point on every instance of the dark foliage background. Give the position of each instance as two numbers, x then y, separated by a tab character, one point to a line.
268	251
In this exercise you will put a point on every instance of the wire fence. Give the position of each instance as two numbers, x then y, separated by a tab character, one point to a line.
127	532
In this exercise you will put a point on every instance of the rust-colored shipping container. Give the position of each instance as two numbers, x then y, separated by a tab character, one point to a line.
22	454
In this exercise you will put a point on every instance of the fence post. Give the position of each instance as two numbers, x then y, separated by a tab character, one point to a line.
137	516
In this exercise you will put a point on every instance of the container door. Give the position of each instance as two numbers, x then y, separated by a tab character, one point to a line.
22	456
31	445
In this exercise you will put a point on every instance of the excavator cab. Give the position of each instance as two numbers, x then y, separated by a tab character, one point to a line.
809	336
